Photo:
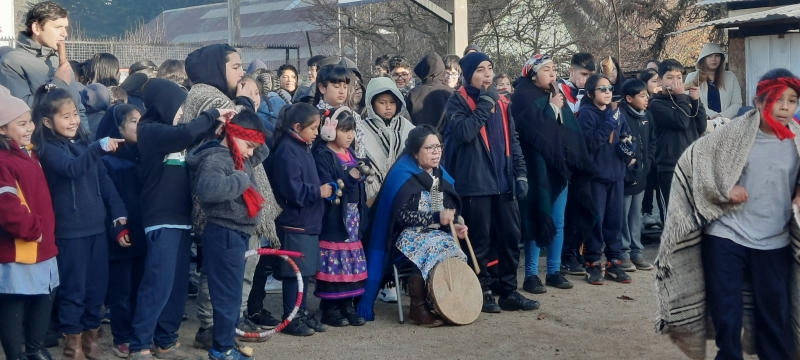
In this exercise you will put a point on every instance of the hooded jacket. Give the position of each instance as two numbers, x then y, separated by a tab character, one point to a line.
166	198
255	65
427	101
384	142
219	186
643	131
206	65
96	99
133	86
679	121
123	168
597	126
730	96
32	65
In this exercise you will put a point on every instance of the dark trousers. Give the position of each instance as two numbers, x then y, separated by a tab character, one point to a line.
609	200
653	188
162	293
255	300
224	264
290	287
726	265
24	316
83	274
494	228
665	183
123	290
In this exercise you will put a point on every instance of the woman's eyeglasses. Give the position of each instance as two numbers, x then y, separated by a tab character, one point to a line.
433	148
609	88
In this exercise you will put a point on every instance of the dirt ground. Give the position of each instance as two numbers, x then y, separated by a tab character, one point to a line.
586	322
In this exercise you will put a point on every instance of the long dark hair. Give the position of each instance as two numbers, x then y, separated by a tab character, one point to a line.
47	101
591	86
102	68
299	113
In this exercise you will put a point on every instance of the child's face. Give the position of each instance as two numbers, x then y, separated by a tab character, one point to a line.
578	76
504	85
334	94
672	78
483	75
358	94
312	73
603	93
638	102
254	94
246	148
233	71
65	121
545	76
653	84
784	108
401	76
309	133
452	77
344	138
128	128
289	81
385	106
19	129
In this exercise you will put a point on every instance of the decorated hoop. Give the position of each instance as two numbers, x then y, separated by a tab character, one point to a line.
286	256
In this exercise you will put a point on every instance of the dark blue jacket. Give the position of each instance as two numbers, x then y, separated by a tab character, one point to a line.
597	126
330	169
467	156
295	184
127	180
80	187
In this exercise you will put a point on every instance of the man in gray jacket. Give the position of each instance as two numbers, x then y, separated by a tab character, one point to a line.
35	61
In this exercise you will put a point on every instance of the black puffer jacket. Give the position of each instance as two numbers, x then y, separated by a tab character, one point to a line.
644	135
427	101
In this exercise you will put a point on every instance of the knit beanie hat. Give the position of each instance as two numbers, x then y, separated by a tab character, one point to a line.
472	47
470	63
534	64
11	107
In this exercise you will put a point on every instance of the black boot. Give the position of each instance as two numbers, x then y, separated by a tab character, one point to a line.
39	355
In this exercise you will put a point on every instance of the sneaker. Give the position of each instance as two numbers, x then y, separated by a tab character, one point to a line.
203	339
614	271
352	316
641	263
140	355
121	350
174	352
107	317
334	317
594	273
298	328
312	322
557	280
534	285
489	304
388	295
264	319
231	354
649	221
515	301
247	326
573	267
273	286
627	265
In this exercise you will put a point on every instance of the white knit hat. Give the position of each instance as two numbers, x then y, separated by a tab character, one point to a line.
10	107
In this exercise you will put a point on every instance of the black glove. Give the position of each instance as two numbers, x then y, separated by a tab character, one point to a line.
522	189
489	94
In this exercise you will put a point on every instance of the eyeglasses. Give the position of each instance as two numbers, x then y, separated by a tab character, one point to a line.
433	148
608	88
452	74
404	75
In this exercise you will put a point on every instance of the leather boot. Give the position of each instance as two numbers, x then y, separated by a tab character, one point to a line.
91	345
419	314
72	348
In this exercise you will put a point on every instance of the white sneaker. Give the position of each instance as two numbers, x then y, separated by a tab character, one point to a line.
273	286
388	295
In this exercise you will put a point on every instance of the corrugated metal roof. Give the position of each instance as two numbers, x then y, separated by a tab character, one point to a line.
714	2
775	14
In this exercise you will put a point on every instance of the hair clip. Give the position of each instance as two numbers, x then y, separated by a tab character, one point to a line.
49	87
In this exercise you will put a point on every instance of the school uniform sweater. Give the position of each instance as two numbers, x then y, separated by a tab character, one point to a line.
295	183
80	187
598	126
26	212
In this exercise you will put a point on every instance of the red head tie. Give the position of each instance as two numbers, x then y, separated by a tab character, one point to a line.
252	198
774	88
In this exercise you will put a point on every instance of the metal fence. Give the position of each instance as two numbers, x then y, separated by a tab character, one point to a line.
128	52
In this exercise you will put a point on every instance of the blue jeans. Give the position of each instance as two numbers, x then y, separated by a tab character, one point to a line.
554	249
162	293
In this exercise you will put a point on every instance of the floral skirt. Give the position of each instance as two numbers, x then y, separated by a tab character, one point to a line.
426	248
343	264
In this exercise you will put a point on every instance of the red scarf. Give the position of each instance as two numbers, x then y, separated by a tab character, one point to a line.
774	88
252	198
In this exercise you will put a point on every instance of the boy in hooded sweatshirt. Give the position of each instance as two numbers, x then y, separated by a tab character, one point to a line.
166	217
96	99
426	101
226	188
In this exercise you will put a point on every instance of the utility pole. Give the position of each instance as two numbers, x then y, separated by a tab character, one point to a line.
459	27
234	23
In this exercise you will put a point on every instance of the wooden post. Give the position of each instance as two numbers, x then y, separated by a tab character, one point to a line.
459	30
234	23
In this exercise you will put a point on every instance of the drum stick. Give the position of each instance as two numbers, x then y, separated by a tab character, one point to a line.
469	246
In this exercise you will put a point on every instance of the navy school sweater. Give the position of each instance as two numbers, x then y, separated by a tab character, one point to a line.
293	175
597	126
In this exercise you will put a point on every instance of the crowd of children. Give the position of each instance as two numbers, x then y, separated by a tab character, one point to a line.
105	187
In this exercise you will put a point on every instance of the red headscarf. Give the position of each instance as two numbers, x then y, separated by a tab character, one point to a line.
252	198
774	88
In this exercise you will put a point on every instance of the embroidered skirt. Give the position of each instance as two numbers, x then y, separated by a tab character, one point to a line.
343	264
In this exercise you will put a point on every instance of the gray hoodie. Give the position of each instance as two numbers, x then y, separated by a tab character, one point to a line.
219	187
32	65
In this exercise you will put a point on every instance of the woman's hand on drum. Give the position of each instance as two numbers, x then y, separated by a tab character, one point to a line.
447	216
461	231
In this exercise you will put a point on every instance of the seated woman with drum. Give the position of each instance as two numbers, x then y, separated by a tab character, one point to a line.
411	217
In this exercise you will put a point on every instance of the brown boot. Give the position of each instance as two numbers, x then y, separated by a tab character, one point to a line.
91	346
419	314
72	348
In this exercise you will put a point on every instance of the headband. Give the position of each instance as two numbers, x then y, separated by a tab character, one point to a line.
773	88
328	130
535	63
